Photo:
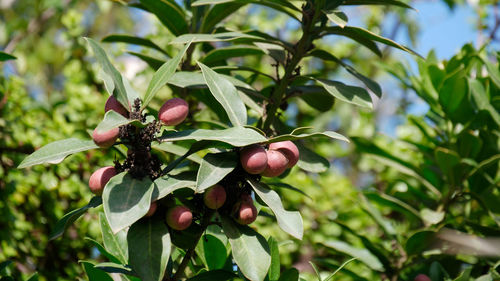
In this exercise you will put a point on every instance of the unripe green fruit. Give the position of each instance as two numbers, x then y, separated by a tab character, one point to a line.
276	164
179	217
173	111
422	277
253	159
105	139
215	197
113	104
152	210
100	178
247	213
289	149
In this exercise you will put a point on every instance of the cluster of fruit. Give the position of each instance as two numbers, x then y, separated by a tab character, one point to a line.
254	159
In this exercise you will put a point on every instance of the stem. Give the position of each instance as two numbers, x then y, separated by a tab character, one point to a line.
309	18
185	260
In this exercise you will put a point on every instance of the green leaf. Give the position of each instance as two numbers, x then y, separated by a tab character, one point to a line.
362	255
350	94
212	251
217	37
431	217
218	13
369	83
337	17
33	277
112	267
446	159
163	74
291	274
154	63
492	70
149	248
213	168
95	274
393	203
274	269
103	251
290	222
419	241
237	136
219	275
293	137
226	94
116	244
386	158
5	264
315	96
378	2
224	53
366	38
170	14
453	91
278	5
249	248
123	38
55	152
464	275
339	269
72	216
5	57
168	184
176	149
482	101
311	161
383	222
316	270
126	200
112	119
113	80
185	79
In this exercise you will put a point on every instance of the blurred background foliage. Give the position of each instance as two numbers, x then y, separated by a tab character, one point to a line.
382	200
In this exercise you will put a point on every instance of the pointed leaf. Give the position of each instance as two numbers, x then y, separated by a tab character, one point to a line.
290	222
55	152
112	267
311	161
116	244
226	94
168	184
337	17
163	74
292	137
124	38
217	37
362	255
250	250
170	14
219	275
112	78
72	216
369	83
378	2
5	57
350	94
213	168
224	53
237	136
95	274
126	200
149	247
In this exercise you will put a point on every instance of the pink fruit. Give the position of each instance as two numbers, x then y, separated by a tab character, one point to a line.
246	197
247	213
100	178
152	210
289	149
105	139
276	164
422	277
253	159
113	104
179	217
173	111
215	197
